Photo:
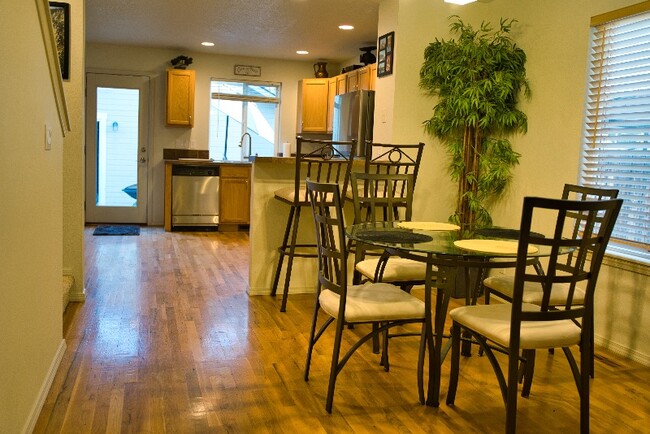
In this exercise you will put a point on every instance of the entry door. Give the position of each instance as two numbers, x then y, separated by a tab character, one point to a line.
117	135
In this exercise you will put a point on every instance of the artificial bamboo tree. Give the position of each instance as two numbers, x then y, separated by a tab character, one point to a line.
478	79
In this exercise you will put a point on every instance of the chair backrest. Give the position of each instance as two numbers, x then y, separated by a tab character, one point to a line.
579	192
381	196
327	209
391	158
588	250
322	161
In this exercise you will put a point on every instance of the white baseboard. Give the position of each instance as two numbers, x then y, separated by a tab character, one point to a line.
45	388
621	350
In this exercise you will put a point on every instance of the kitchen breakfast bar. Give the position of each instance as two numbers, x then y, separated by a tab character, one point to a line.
268	219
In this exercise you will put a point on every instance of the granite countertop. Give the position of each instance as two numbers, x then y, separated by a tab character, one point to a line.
205	161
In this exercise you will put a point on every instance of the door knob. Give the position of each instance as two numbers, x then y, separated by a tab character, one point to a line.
142	160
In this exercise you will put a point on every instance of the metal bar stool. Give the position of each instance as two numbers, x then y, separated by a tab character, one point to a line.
323	161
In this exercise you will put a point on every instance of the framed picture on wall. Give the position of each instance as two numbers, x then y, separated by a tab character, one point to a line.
60	13
385	53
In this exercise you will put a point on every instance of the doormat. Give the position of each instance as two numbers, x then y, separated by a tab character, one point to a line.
117	230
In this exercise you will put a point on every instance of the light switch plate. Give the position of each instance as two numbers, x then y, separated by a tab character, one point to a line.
48	137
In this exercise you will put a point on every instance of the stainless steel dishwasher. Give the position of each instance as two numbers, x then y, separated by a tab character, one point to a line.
195	195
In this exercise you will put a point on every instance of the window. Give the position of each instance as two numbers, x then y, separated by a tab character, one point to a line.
237	108
616	148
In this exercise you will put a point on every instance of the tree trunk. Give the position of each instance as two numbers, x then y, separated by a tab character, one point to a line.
467	184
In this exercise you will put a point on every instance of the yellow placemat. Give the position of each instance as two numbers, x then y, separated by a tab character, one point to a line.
428	226
492	246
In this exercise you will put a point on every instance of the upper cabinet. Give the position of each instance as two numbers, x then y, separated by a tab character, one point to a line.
362	78
372	76
312	105
180	97
316	97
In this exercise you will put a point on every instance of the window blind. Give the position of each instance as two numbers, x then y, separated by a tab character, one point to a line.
616	148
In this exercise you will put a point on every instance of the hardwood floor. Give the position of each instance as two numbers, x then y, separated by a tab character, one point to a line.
168	341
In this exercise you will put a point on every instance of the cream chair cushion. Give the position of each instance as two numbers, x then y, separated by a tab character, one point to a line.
373	302
533	291
397	269
493	322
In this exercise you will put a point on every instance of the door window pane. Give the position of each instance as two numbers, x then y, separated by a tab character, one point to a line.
117	146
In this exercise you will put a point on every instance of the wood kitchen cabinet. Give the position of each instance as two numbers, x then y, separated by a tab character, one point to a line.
180	97
372	76
312	105
362	78
331	93
234	195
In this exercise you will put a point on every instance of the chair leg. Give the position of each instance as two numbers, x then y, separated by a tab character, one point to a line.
312	334
334	367
529	368
455	363
384	352
291	254
586	362
282	250
511	392
592	352
375	338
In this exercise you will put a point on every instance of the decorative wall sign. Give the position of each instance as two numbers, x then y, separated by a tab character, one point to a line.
249	70
385	54
60	13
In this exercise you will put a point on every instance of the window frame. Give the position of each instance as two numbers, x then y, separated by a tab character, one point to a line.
255	99
638	251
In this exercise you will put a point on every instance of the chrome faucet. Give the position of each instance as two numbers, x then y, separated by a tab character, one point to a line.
250	143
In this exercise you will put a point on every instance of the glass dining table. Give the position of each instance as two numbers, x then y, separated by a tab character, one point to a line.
440	246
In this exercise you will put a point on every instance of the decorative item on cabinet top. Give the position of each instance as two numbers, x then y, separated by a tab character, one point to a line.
181	62
367	57
320	70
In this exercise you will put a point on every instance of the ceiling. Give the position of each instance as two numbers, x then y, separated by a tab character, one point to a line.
256	28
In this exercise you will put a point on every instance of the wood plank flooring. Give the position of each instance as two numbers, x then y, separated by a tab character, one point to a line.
168	341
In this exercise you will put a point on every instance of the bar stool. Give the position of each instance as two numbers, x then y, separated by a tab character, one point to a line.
322	161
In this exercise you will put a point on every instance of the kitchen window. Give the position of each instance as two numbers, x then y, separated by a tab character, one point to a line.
616	146
239	107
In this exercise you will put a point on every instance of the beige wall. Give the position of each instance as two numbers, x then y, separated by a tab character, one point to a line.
30	220
555	37
155	62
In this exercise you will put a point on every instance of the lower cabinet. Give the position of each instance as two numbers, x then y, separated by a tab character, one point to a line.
234	191
234	196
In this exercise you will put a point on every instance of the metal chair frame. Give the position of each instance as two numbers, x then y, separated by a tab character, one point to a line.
331	162
590	243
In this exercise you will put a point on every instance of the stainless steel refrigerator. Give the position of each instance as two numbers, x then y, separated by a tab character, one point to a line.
354	118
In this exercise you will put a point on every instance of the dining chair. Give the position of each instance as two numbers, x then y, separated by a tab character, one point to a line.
383	197
523	327
322	161
503	285
390	158
368	303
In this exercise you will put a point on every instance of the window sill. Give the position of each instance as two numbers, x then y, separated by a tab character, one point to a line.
627	258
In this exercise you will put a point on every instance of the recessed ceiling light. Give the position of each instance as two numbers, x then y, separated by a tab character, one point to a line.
346	27
207	44
460	2
302	52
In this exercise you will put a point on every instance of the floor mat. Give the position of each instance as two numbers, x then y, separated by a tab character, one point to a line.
117	230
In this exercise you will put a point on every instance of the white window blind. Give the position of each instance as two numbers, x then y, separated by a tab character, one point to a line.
616	148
